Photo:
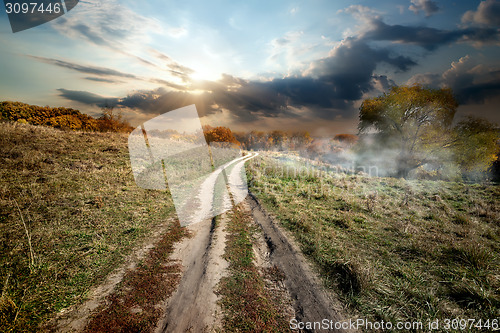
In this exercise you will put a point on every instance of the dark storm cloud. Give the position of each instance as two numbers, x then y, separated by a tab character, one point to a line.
158	101
479	93
471	83
100	71
328	89
99	79
155	101
86	97
350	68
428	38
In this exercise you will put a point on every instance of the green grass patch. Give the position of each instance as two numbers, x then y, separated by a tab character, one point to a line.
392	249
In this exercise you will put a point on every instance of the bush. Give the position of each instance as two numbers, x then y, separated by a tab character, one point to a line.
64	118
112	122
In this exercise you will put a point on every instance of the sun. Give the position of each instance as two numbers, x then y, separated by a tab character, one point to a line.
205	73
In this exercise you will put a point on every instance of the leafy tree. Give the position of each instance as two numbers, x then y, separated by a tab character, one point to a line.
348	139
413	126
475	145
278	139
112	122
300	140
219	134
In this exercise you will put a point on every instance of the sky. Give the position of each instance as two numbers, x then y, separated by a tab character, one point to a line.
254	65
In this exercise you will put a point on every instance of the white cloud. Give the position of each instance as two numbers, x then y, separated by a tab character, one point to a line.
487	14
286	50
361	13
429	7
472	83
107	23
365	15
177	32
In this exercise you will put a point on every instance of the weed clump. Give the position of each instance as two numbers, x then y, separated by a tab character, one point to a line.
349	276
460	218
474	255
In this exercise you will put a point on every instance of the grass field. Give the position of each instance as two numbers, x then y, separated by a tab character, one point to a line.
69	214
393	249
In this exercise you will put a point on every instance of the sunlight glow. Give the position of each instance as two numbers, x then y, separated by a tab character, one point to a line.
205	73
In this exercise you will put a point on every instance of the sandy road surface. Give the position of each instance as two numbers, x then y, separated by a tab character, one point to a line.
193	307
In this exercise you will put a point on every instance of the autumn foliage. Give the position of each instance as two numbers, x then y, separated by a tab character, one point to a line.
274	140
349	139
63	118
219	134
413	128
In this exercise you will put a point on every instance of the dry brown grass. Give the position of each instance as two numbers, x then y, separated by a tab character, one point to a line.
82	213
137	304
392	249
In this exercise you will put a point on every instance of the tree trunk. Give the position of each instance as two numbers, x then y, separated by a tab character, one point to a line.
404	166
403	172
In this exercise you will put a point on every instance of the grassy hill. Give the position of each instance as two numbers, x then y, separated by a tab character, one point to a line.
393	249
69	213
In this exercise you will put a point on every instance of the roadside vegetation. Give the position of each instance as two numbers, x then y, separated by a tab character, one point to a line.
393	249
247	304
137	304
70	212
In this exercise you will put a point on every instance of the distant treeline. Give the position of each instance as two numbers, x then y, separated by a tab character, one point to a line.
259	140
277	140
63	118
284	141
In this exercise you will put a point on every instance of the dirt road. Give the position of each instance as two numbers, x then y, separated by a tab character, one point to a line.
193	307
311	302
